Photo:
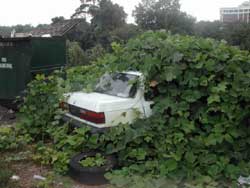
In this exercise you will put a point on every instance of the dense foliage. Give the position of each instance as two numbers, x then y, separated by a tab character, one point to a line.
5	175
96	161
11	139
200	126
236	34
202	110
75	54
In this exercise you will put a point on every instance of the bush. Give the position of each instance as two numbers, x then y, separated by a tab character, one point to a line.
40	117
94	53
200	125
201	116
76	55
41	107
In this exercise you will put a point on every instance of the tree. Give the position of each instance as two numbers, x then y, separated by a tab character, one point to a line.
104	17
76	55
238	34
6	30
57	19
107	15
163	14
83	10
126	32
79	32
209	29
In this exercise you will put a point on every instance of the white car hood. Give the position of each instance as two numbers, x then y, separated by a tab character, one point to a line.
98	102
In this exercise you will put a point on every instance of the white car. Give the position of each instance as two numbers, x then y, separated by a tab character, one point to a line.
117	99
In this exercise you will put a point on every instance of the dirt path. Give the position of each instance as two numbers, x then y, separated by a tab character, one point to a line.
26	172
21	164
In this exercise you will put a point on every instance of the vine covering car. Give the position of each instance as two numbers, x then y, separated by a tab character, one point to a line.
118	98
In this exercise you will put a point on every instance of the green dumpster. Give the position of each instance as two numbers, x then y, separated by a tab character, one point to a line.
22	58
48	54
15	56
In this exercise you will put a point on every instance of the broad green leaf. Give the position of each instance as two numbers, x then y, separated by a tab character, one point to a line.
213	98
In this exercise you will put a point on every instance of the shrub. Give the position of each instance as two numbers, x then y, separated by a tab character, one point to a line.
41	107
201	114
40	117
76	55
200	125
94	53
11	138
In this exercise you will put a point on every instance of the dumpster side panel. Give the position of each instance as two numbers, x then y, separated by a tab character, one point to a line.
22	58
14	68
48	54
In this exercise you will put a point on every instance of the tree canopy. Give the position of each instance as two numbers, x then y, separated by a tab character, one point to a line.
57	19
163	14
236	34
107	15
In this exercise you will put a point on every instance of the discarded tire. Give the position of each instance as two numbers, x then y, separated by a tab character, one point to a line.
90	175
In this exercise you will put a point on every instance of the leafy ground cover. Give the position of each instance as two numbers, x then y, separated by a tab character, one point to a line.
98	160
20	162
198	135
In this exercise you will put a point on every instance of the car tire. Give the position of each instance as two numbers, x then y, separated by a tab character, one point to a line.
90	175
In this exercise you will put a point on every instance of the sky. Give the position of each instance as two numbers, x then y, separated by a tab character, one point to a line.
13	12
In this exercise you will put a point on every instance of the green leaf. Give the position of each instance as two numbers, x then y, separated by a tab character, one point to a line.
221	87
191	96
210	65
190	157
187	126
177	57
214	170
213	98
171	72
168	166
211	140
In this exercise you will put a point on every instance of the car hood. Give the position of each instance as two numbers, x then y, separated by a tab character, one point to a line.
98	102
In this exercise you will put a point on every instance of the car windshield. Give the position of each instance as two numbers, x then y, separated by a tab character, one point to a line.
118	84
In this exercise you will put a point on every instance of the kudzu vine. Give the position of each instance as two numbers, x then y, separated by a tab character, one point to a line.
201	122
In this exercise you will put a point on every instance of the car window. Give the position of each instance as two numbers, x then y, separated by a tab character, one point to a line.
118	84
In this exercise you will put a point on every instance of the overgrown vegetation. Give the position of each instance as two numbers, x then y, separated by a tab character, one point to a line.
199	133
10	139
5	175
96	161
75	54
200	127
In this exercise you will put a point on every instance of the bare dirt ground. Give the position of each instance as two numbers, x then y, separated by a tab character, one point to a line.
26	169
26	172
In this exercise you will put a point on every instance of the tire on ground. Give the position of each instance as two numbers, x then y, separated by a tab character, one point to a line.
90	175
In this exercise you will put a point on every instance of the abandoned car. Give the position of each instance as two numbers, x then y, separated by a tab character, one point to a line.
118	98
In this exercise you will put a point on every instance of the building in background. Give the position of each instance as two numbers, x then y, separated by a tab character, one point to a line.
61	28
57	29
236	14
